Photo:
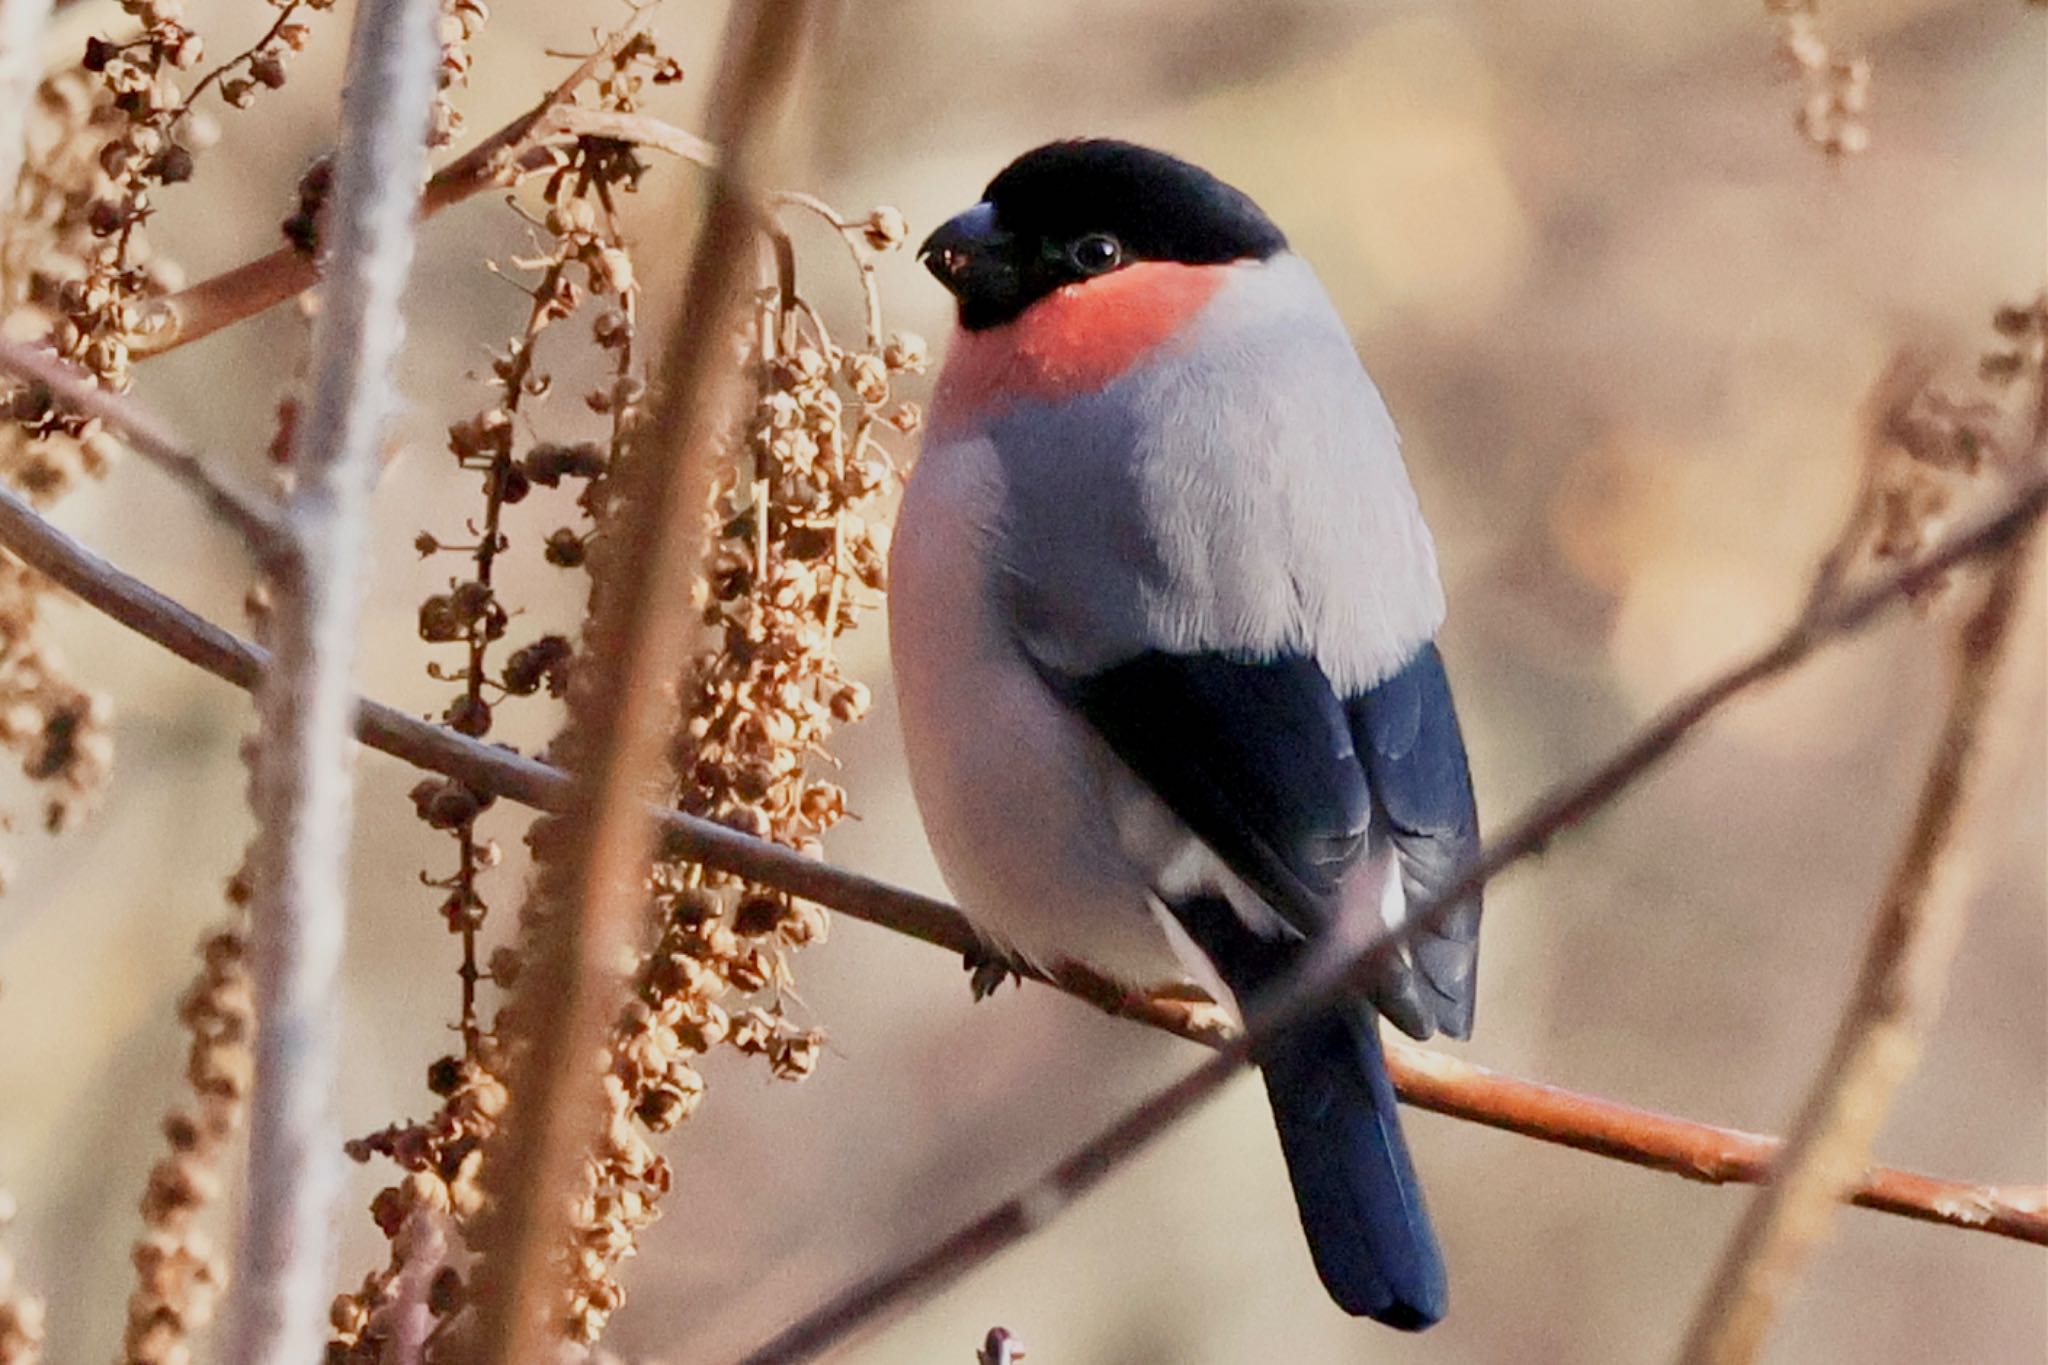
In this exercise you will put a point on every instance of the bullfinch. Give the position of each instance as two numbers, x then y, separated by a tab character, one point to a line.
1163	610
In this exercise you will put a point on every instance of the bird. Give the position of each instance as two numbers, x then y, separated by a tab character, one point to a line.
1163	618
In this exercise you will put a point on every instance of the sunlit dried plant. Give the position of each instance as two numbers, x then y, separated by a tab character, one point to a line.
179	1274
1835	90
761	704
1939	442
104	139
21	1312
794	563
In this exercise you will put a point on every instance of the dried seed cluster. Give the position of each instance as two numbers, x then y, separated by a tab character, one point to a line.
57	730
62	734
102	139
152	137
1937	440
1836	89
798	561
461	21
21	1313
794	562
583	271
179	1274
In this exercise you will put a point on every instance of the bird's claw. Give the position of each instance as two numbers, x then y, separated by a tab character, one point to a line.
987	969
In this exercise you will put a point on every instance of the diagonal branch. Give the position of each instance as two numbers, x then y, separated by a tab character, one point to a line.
1340	968
524	145
1428	1079
1897	996
249	514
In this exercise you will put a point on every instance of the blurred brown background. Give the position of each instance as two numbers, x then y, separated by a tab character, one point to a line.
1625	317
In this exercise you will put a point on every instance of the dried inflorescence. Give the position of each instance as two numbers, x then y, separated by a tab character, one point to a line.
179	1274
152	134
21	1313
461	21
794	562
61	733
103	140
583	271
1934	440
1835	90
57	730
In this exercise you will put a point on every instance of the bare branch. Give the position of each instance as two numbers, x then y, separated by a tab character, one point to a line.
301	774
592	897
250	514
1898	994
1341	967
1428	1079
520	147
1446	1085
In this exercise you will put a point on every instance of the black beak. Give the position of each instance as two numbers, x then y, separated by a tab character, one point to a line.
968	255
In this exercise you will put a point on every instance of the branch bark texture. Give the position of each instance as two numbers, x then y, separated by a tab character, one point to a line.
301	776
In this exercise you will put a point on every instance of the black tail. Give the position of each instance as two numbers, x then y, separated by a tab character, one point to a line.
1361	1205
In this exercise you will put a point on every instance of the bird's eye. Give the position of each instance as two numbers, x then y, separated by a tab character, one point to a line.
1095	253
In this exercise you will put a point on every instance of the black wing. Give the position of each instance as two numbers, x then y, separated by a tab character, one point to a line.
1257	758
1406	729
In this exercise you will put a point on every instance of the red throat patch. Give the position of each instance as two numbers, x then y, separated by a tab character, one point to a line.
1076	340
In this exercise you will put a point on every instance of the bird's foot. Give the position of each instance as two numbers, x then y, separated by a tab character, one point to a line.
987	969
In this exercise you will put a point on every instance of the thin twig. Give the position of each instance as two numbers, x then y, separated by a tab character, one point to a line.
1425	1078
252	515
642	130
1335	970
1897	996
300	777
522	146
1713	1155
592	897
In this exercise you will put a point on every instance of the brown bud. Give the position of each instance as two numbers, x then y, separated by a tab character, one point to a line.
885	229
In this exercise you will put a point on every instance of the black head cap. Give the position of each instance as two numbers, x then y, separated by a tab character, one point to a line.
1068	211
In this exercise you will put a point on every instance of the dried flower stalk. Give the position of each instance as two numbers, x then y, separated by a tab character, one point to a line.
584	269
590	896
179	1275
1835	90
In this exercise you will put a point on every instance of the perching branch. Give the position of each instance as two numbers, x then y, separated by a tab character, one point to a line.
1425	1078
300	777
70	387
1339	968
590	890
